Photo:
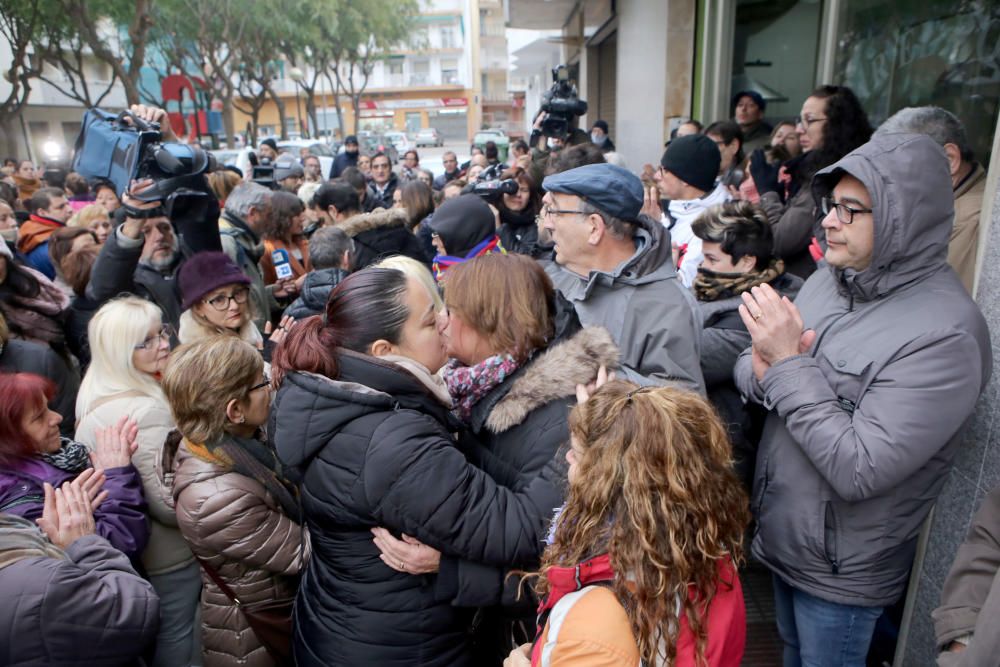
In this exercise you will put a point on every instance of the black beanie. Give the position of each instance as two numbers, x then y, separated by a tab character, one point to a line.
694	159
463	223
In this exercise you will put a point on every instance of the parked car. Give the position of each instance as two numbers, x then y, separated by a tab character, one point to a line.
400	141
318	148
226	157
378	143
428	137
497	136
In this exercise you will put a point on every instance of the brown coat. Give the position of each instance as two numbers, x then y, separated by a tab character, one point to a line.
964	242
230	521
970	597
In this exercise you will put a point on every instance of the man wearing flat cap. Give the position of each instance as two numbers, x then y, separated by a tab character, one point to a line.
615	266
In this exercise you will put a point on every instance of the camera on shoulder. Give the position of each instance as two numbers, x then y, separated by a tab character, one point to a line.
562	103
111	149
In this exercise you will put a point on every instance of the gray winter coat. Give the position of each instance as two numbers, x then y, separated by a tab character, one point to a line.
863	428
87	608
650	315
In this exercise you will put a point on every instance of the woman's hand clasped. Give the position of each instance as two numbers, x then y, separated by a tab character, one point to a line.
408	555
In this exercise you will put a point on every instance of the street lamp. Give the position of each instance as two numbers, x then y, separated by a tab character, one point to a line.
297	75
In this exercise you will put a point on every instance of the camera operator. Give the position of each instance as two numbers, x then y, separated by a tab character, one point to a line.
558	121
143	255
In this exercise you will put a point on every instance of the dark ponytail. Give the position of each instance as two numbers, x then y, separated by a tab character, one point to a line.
365	307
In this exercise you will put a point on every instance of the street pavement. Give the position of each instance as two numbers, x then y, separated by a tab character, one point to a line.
430	156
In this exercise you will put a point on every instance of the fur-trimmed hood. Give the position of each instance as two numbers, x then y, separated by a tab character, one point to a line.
553	375
380	218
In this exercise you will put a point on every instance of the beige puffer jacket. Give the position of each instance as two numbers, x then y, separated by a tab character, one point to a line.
167	551
231	522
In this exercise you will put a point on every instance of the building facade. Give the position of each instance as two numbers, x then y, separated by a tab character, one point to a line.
455	82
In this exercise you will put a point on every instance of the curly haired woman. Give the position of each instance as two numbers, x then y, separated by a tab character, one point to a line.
642	559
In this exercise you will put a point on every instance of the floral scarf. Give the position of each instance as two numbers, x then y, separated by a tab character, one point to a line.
469	384
714	285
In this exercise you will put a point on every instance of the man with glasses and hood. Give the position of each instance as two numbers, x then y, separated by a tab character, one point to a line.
869	378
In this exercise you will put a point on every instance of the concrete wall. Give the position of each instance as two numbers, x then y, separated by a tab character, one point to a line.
654	82
977	468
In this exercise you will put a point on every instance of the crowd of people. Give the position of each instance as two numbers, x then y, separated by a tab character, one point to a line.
384	416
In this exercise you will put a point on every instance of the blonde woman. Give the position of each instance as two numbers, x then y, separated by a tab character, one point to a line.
215	298
94	217
234	506
417	270
129	349
642	561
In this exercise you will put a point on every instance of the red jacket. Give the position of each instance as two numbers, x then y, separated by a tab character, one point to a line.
588	627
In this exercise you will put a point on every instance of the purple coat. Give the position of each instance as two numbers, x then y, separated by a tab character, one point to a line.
121	518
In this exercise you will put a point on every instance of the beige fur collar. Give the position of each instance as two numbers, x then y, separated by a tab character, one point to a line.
377	219
554	375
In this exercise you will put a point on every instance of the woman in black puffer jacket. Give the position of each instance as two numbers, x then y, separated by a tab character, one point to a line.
514	387
363	421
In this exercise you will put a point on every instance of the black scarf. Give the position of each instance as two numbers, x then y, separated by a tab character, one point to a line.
517	218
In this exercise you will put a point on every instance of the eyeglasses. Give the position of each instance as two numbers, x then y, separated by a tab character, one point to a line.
844	212
265	383
547	211
221	301
806	122
150	342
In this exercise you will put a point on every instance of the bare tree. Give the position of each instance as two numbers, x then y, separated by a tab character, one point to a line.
19	20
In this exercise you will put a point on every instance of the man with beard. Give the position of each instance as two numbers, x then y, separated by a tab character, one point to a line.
141	257
349	158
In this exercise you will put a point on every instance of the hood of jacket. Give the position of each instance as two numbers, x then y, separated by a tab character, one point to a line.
551	375
652	262
243	234
309	409
382	218
689	210
913	208
317	286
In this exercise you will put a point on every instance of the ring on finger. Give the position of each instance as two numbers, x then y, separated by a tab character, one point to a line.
402	565
759	314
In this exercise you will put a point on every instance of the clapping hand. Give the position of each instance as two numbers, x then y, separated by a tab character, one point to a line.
278	335
66	514
651	203
115	444
776	327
